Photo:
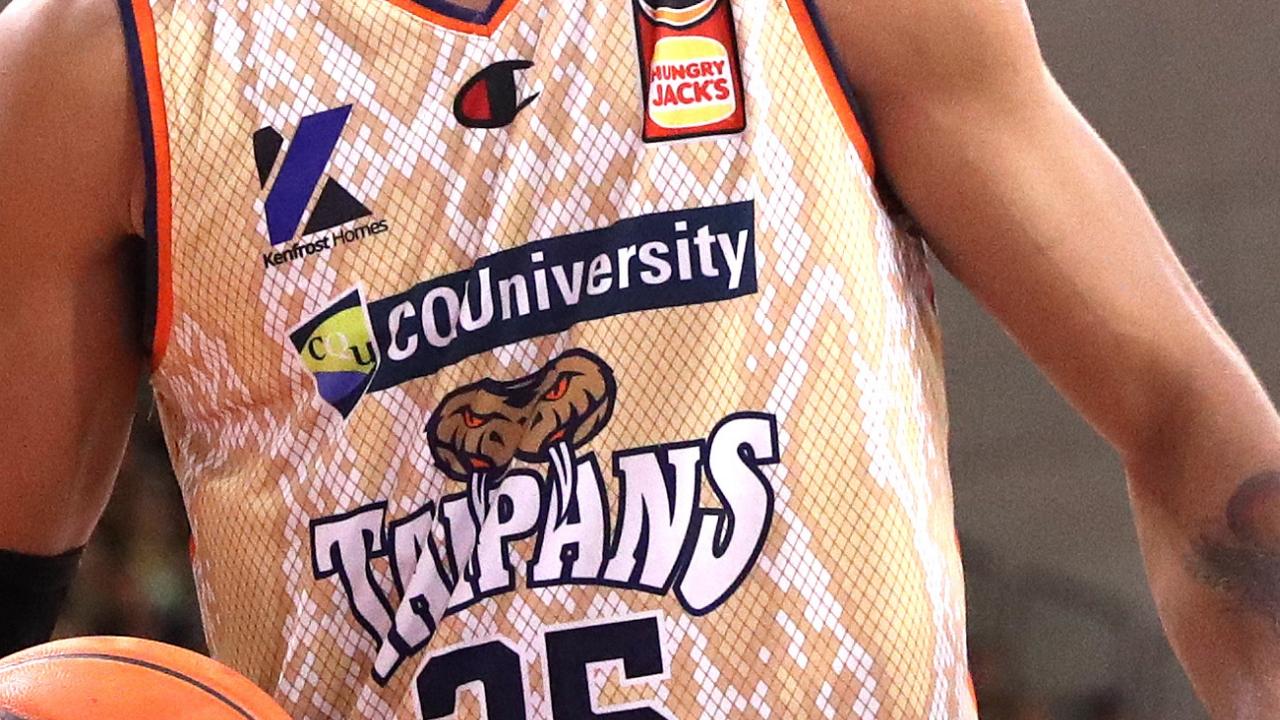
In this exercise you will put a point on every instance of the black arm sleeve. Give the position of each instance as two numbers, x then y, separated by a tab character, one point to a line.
32	591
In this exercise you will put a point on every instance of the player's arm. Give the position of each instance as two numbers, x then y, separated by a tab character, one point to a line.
70	357
1030	210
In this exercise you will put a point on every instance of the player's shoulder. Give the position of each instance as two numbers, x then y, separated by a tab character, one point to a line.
67	115
61	22
890	46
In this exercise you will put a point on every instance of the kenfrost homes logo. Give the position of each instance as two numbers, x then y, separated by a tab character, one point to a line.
295	184
686	257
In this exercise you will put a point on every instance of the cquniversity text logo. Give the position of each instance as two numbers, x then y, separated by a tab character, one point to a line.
337	347
295	184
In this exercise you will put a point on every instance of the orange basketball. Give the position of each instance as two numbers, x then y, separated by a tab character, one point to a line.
109	678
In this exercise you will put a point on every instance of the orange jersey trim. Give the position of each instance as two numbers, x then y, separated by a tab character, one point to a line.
968	675
149	91
450	23
831	81
973	691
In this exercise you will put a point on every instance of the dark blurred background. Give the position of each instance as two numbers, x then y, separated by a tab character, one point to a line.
1062	625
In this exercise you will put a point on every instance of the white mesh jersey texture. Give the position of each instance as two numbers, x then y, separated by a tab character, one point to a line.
854	606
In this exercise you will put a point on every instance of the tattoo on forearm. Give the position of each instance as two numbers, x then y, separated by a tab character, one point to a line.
1246	564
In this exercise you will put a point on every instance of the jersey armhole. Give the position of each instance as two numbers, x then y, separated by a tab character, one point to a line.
823	54
148	92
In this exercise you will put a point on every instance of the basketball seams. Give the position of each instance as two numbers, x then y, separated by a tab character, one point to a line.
145	664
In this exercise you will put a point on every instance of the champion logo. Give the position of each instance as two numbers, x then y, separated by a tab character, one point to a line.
300	173
490	99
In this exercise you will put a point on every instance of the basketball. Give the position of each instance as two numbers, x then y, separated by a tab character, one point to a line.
111	678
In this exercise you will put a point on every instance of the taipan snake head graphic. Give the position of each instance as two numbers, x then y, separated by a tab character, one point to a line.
476	434
543	417
575	394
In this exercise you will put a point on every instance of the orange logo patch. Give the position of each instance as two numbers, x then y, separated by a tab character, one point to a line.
690	69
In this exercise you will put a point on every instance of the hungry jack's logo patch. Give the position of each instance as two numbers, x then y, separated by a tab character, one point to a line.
690	69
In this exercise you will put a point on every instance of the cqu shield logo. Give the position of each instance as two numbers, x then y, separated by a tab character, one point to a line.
336	346
304	165
690	69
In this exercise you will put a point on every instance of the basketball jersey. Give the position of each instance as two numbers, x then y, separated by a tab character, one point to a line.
557	360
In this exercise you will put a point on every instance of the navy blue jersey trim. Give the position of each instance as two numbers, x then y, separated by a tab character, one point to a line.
142	101
460	13
846	85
